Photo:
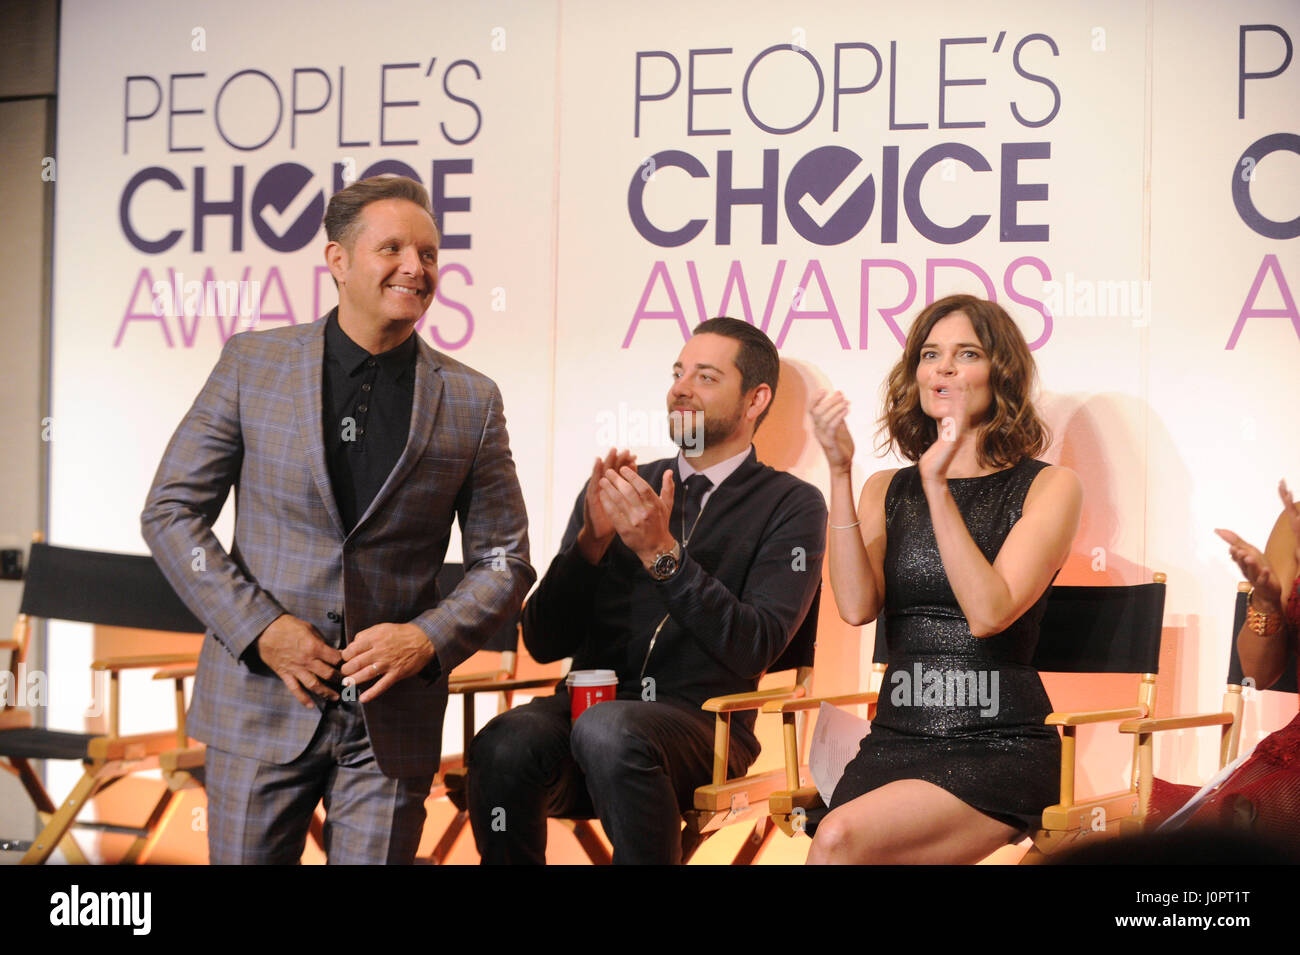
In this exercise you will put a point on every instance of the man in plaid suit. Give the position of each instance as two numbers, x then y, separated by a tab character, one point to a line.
352	446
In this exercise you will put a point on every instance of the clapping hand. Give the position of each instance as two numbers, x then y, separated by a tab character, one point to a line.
828	413
638	513
597	528
938	458
1268	596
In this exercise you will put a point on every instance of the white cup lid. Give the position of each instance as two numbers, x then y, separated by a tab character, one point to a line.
591	678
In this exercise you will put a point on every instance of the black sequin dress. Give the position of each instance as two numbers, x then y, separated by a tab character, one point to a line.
961	712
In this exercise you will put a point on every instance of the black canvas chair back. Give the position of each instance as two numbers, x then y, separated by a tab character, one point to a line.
506	638
802	648
1286	683
116	590
1110	629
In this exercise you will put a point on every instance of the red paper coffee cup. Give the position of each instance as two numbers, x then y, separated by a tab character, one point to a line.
589	687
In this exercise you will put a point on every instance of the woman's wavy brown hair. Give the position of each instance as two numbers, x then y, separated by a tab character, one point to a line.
1011	432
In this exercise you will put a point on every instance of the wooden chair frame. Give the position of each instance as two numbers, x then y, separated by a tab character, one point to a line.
109	759
1228	719
724	801
789	807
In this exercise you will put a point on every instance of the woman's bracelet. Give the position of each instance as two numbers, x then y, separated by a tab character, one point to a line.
844	527
1264	624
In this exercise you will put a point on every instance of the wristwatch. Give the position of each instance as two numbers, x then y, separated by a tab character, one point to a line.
666	563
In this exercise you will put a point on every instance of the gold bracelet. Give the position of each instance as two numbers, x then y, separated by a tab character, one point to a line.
844	527
1263	624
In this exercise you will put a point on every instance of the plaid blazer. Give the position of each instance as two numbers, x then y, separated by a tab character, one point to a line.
257	425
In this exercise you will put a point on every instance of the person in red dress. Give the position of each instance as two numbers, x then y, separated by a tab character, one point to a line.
1263	794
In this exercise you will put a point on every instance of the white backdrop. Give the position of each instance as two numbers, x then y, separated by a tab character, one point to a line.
471	98
616	175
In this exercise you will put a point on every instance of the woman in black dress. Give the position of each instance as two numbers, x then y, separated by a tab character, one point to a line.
958	552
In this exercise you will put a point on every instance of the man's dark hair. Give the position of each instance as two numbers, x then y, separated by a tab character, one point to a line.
757	359
342	217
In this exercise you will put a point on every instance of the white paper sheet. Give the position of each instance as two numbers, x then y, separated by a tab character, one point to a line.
835	742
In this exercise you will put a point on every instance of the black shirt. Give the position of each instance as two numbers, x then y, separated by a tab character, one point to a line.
366	410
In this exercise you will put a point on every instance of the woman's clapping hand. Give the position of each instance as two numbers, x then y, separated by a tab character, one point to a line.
829	411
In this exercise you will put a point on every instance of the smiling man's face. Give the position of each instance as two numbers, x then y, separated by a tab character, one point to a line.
706	407
389	271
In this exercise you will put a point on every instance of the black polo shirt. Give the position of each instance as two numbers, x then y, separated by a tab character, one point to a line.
366	407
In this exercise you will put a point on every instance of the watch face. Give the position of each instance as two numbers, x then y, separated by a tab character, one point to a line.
665	566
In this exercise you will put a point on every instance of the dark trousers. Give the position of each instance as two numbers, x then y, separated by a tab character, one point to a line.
633	764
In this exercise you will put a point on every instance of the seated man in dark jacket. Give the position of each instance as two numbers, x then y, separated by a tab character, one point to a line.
688	577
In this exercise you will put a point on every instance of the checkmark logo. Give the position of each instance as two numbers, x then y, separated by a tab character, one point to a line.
287	208
821	212
280	220
829	195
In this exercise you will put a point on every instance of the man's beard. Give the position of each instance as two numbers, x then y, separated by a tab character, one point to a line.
695	432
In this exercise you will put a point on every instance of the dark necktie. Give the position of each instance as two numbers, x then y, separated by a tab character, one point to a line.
697	485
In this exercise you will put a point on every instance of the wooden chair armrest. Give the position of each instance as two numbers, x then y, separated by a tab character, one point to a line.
1159	725
175	673
9	645
481	677
1082	717
734	702
143	662
815	702
181	760
497	686
787	800
139	746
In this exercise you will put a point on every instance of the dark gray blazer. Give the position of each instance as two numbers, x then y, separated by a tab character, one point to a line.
257	425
